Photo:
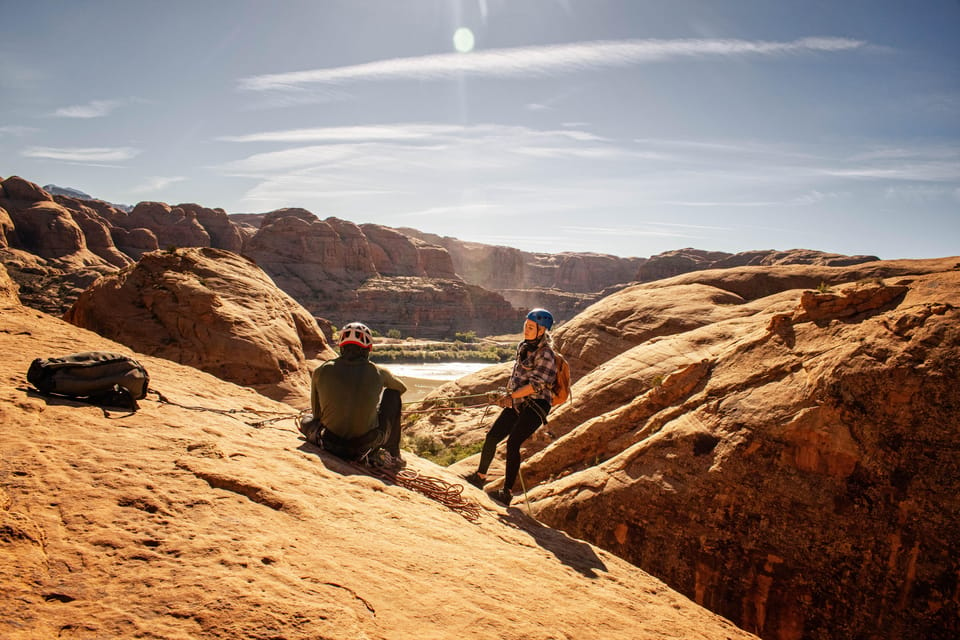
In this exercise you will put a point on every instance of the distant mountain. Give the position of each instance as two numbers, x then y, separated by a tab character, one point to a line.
54	190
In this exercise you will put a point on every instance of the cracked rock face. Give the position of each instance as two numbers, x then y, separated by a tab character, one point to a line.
797	471
787	457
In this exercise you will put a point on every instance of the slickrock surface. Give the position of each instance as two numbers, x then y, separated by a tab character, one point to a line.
176	523
789	460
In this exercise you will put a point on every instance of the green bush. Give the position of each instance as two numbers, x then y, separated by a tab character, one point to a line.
434	450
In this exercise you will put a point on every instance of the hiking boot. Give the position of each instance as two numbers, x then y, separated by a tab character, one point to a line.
382	459
501	496
475	479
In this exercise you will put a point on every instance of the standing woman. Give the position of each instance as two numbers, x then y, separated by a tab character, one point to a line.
525	405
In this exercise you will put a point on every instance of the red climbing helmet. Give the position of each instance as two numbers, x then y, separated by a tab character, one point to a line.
356	333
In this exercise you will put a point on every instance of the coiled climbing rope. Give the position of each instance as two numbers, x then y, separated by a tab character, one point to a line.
448	494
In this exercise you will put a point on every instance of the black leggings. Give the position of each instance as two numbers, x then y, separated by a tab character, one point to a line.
516	427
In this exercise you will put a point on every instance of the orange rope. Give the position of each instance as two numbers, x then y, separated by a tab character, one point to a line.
447	494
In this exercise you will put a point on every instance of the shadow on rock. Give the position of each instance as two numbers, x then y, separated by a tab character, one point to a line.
338	465
576	554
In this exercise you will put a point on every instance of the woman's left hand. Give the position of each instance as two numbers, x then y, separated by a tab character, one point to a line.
505	401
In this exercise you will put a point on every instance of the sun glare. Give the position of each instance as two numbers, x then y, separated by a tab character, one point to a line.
463	40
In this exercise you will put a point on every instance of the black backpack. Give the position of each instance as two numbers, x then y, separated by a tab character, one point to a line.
99	377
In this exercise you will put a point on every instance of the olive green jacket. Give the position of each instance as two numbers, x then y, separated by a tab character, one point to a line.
345	395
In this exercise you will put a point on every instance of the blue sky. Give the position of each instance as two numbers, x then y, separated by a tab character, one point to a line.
628	127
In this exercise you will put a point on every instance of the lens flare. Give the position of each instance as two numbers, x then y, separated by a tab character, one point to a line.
463	40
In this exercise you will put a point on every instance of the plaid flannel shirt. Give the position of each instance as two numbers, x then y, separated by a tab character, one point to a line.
537	368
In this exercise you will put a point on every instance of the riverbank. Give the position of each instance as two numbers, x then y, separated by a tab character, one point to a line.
422	378
467	348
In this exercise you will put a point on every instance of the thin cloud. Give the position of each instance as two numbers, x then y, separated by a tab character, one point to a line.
157	183
13	130
542	61
403	147
94	109
402	132
922	172
346	134
82	154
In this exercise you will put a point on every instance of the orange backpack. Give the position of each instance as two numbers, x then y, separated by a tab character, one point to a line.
561	386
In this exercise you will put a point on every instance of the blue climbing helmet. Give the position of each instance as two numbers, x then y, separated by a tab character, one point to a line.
542	317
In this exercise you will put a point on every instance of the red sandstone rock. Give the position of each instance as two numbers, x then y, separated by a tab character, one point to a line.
673	263
210	309
791	463
23	191
330	266
173	226
505	268
134	242
47	230
186	520
7	229
223	233
393	253
96	233
792	470
9	291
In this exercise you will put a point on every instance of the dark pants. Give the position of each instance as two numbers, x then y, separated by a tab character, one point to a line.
386	434
516	426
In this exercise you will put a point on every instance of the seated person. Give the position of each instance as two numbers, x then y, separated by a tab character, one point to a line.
355	403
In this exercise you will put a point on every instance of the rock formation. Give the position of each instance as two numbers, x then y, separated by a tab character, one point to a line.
566	283
7	229
56	246
184	520
335	268
500	268
789	460
345	272
173	226
674	263
210	309
44	247
9	291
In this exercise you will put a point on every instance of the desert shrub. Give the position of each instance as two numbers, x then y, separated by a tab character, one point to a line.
434	450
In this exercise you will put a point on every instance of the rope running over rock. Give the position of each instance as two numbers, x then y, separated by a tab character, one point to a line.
447	494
